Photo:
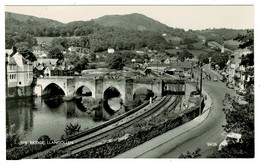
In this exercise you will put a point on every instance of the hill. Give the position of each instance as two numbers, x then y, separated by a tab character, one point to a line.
132	22
21	18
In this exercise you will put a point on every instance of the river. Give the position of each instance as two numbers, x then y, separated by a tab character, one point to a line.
30	118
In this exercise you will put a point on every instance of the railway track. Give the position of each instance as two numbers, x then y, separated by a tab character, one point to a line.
86	142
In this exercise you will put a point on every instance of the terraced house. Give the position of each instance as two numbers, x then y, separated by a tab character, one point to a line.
19	74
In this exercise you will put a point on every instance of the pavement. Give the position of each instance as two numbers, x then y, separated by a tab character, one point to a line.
158	144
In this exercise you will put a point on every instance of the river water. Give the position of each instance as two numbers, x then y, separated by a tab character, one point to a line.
30	118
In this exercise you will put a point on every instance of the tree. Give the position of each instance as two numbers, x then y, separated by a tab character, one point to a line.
56	53
203	58
219	59
115	61
92	57
184	55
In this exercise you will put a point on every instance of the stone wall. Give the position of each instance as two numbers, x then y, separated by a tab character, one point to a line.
17	92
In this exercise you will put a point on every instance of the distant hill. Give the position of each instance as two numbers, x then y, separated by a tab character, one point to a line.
132	22
9	17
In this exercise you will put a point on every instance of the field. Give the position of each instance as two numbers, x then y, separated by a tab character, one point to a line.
173	39
46	40
231	44
198	46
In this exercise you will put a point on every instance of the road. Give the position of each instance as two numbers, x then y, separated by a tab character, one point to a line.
209	133
211	72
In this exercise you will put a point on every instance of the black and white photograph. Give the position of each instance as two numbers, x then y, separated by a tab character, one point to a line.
129	81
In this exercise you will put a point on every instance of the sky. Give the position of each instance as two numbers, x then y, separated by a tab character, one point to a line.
186	17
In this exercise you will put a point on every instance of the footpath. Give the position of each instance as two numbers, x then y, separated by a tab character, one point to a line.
154	144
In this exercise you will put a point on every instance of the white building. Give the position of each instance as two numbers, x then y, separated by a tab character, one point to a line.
19	71
110	50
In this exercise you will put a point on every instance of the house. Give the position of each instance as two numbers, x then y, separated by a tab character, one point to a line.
180	68
139	52
72	49
43	55
110	50
19	74
167	61
47	61
237	74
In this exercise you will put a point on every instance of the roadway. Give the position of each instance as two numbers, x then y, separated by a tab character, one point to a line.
209	133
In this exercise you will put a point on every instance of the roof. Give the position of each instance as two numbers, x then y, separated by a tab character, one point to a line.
50	67
11	60
40	67
47	61
179	64
8	51
19	59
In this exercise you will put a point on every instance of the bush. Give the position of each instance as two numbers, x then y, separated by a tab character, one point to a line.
44	138
71	129
25	150
12	141
194	154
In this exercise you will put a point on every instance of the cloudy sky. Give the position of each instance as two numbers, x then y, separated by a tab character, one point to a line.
186	17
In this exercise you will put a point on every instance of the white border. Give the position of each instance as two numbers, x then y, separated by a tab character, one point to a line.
132	2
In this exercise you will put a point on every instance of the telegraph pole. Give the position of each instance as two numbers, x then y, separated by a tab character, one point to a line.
200	110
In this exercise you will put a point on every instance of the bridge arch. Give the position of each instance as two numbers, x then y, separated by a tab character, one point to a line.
112	100
42	83
88	84
83	91
53	88
111	92
142	94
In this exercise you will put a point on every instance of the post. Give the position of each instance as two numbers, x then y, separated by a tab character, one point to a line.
200	110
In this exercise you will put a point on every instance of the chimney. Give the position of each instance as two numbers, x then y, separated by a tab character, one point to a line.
14	51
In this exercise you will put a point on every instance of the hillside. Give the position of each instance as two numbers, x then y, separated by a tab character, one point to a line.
27	18
132	22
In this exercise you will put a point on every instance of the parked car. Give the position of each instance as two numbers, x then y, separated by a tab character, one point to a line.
230	86
230	138
222	79
241	92
215	79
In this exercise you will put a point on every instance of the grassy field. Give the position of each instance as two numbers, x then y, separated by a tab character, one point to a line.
231	44
173	39
199	46
46	40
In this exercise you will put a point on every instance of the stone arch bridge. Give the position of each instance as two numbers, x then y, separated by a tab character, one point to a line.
97	86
